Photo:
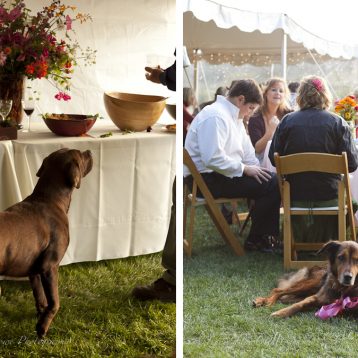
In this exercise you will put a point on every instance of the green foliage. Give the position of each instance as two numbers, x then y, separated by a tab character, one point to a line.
98	316
219	320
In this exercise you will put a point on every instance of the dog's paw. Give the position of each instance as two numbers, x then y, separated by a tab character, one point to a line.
40	330
281	313
259	302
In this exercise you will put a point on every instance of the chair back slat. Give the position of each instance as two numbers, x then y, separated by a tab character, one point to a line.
312	162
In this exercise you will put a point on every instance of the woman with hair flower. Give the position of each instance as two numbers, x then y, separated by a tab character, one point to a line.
314	129
262	125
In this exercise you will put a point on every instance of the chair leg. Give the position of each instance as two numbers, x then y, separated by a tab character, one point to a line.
248	217
189	241
235	217
185	209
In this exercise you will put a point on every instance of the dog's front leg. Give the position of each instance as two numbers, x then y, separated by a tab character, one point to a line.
306	304
49	281
275	294
38	292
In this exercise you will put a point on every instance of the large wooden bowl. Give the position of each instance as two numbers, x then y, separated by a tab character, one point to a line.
135	112
69	125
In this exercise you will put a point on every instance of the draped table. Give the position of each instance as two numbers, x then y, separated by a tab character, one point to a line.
353	176
123	206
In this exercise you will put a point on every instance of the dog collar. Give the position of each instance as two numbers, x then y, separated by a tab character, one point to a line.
337	307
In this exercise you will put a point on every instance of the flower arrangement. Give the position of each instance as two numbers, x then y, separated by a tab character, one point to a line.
347	108
40	45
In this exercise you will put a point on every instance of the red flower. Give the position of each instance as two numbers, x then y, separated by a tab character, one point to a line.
30	69
62	95
68	23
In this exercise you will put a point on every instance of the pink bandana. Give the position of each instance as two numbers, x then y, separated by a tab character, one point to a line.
337	307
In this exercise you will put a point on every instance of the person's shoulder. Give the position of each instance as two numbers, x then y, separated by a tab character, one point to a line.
205	104
331	116
256	118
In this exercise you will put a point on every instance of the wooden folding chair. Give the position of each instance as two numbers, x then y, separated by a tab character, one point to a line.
191	200
313	162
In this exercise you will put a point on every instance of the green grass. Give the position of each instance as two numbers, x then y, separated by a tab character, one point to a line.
219	320
98	316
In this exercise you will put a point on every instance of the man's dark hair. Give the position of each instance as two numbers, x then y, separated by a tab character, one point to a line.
293	86
247	88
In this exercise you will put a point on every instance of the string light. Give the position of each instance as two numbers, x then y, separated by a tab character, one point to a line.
257	58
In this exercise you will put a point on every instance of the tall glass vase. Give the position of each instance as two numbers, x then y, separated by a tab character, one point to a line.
12	87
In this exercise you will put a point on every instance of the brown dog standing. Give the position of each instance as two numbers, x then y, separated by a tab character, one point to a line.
34	234
317	286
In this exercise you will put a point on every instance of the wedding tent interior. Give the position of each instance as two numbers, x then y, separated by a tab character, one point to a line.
224	42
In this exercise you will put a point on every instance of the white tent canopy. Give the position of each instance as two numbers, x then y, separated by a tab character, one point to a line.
215	29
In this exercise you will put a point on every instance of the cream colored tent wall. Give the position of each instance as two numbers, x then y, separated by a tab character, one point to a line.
127	35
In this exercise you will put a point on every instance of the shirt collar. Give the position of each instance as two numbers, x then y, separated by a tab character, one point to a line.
234	111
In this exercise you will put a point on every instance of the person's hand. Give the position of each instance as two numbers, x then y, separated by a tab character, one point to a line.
272	125
153	74
257	172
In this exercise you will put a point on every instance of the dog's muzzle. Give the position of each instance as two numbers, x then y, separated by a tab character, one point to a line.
348	279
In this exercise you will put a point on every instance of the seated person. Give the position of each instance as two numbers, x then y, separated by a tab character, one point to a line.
188	101
293	87
220	91
314	129
263	123
222	152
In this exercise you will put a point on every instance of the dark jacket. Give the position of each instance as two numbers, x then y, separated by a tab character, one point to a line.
313	130
168	77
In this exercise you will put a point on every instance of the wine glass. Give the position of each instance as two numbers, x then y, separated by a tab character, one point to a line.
29	106
5	108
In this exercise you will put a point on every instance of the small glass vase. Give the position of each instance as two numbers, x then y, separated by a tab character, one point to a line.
12	87
352	128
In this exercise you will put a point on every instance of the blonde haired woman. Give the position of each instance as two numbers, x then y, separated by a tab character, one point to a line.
263	123
314	129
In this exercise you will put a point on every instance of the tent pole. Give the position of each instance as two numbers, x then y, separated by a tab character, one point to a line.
196	78
284	55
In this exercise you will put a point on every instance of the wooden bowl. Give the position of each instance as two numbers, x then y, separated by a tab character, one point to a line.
171	108
69	125
135	112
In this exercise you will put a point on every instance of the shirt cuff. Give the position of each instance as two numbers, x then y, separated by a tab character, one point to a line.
162	78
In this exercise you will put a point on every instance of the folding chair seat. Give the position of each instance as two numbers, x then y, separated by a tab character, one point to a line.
192	201
313	162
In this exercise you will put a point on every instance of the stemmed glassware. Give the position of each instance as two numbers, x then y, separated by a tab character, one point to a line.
29	106
5	108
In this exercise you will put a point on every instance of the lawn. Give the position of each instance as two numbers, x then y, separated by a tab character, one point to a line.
219	320
98	317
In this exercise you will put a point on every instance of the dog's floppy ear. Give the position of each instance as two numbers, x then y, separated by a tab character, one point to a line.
330	248
73	174
42	168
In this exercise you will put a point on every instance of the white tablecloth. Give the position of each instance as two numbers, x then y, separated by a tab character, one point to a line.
123	206
353	176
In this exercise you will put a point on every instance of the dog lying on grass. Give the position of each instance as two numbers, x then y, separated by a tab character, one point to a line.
313	287
34	234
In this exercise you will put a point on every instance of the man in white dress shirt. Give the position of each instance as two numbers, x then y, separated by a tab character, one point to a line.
223	153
